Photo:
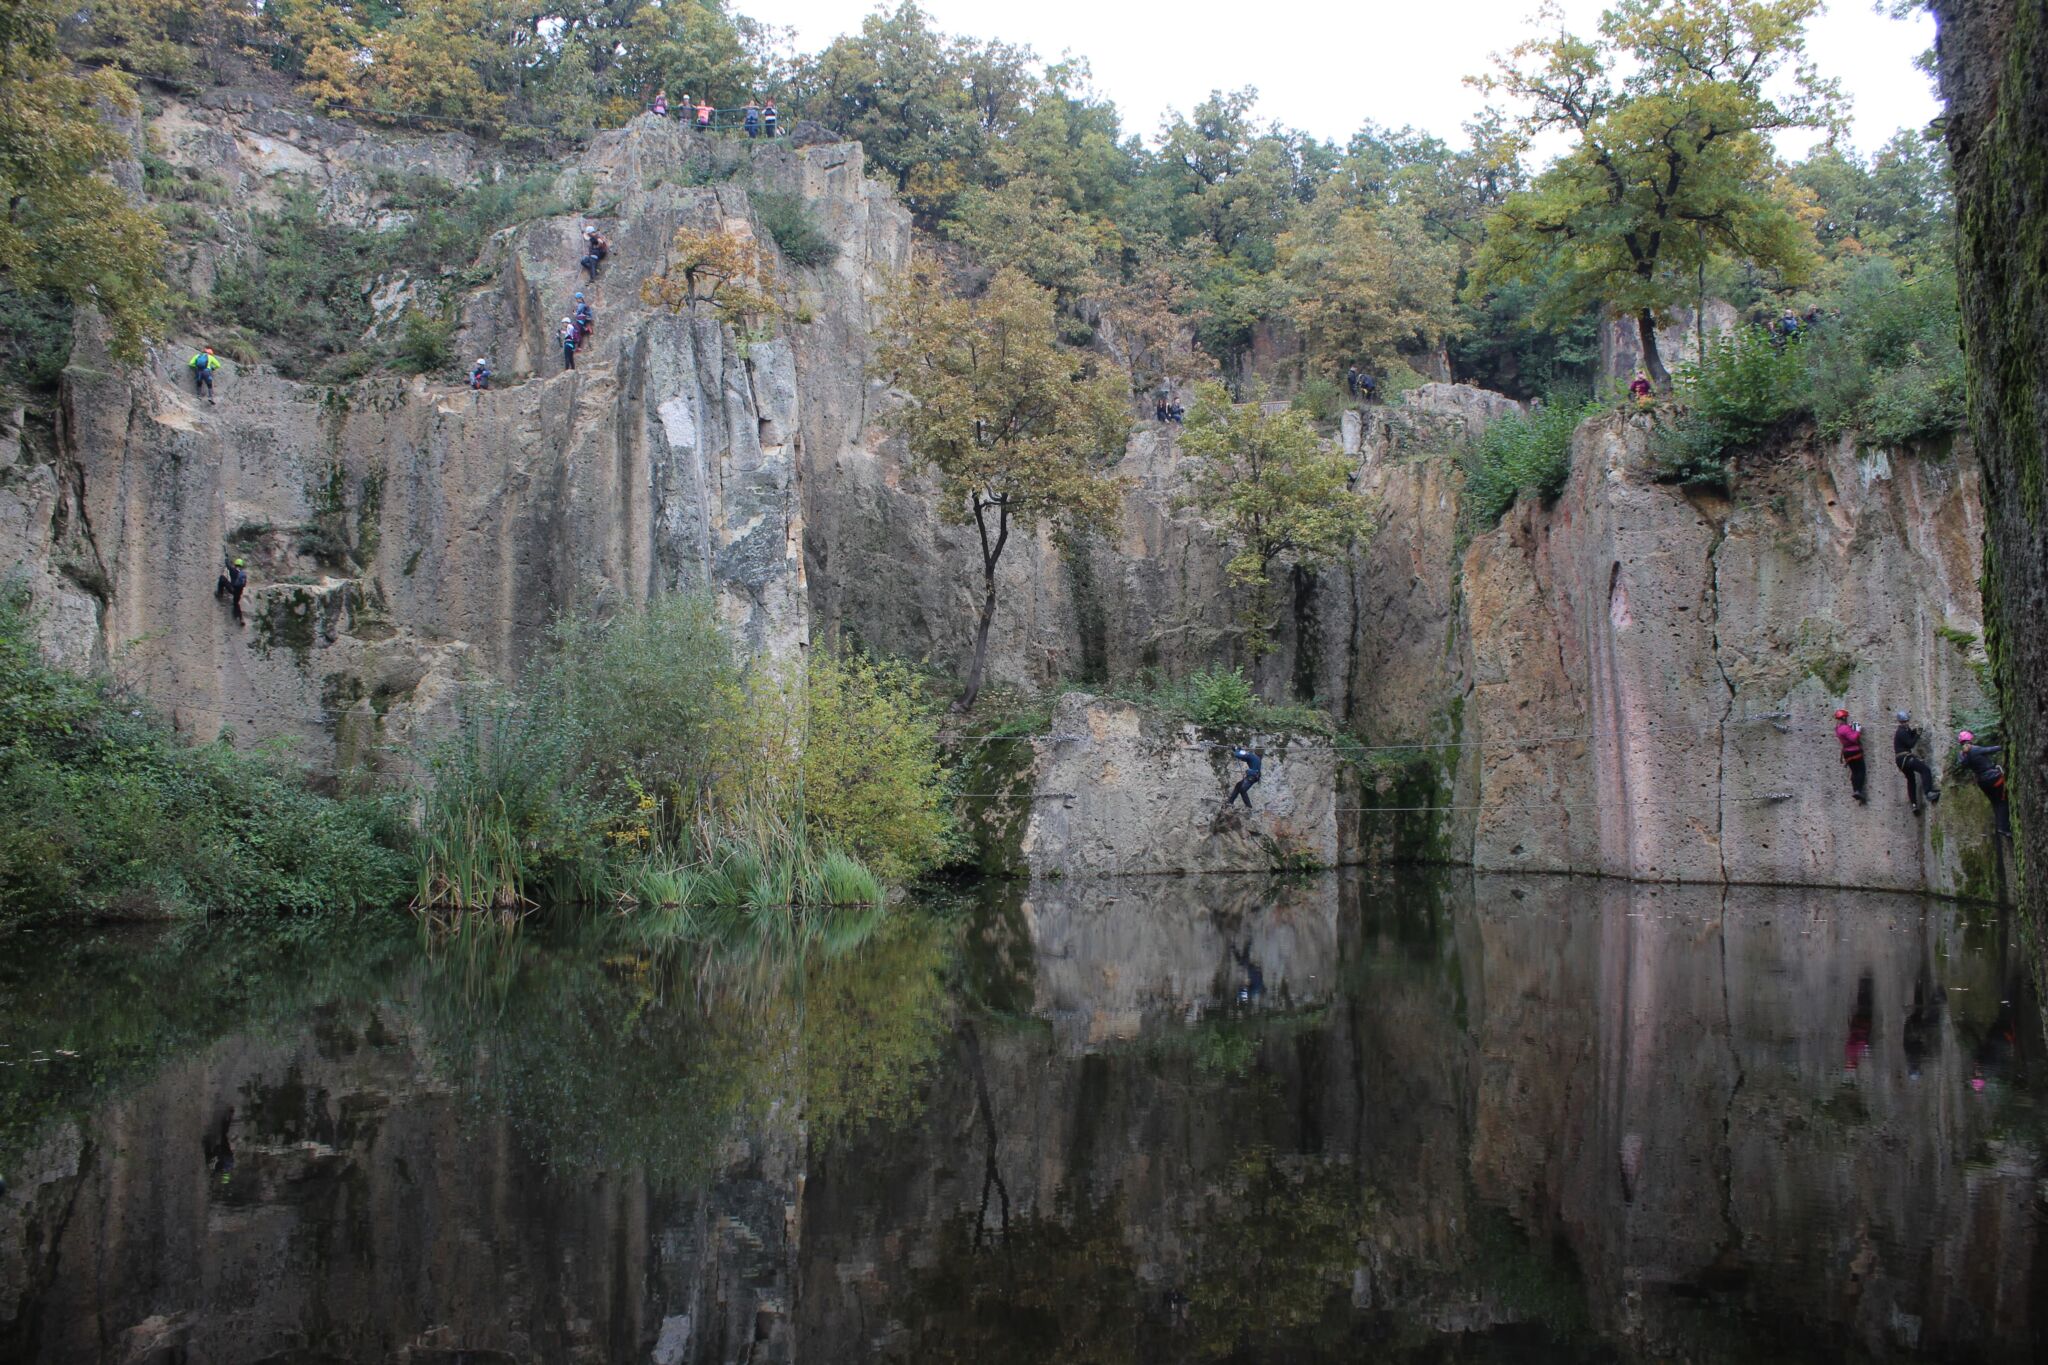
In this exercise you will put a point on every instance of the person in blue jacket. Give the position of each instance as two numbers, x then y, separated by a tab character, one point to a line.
1253	765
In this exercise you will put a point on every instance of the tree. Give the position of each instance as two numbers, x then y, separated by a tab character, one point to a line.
1362	286
1016	428
723	269
1276	493
1670	110
67	230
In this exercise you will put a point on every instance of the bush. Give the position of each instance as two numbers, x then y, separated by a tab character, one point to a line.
426	345
103	811
873	783
796	232
35	339
1742	387
1517	455
304	282
1321	399
640	763
1888	363
1220	701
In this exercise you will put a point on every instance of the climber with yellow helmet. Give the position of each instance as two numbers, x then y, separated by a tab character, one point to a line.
233	580
203	363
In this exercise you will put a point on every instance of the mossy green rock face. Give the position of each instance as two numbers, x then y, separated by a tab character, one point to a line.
1994	77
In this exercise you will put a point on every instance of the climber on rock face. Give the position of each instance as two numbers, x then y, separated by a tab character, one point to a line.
596	246
1979	761
586	321
204	362
1919	777
234	579
567	336
1253	766
1851	737
480	374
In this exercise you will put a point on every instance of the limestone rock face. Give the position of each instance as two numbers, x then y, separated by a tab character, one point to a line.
407	537
1116	790
1654	674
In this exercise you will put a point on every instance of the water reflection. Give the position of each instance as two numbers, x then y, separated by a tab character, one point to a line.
1213	1119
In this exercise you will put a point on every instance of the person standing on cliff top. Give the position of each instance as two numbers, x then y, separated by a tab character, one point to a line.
1253	765
752	119
768	118
1919	777
660	106
704	112
1851	737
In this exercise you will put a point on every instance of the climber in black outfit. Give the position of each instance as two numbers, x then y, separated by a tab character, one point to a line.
233	581
1977	759
1253	765
1919	777
1254	979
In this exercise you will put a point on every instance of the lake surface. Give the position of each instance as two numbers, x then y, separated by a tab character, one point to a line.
1213	1119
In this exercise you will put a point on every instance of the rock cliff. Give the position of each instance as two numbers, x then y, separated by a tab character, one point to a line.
1633	681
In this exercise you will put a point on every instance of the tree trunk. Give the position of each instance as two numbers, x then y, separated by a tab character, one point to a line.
1646	328
972	692
1994	78
991	555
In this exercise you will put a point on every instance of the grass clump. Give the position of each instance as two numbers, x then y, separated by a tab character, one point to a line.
105	813
1518	455
642	764
795	229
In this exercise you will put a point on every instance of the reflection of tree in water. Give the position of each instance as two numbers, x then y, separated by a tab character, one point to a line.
1266	1275
609	1057
1274	1251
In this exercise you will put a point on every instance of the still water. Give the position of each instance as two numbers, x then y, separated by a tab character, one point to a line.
1324	1119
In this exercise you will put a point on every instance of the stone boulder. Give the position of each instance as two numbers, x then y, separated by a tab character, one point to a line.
1118	790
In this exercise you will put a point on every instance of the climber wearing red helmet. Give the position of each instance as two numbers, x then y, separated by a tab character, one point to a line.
1851	737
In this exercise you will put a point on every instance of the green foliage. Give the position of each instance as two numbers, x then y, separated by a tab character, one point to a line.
872	782
1887	363
1277	494
103	812
68	230
637	763
1321	399
1517	455
426	345
303	283
35	339
1219	700
1744	386
795	229
1670	111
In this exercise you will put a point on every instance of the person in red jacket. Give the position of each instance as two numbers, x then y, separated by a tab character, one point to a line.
1851	737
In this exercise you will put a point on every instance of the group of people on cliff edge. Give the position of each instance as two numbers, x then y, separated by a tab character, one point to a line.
758	120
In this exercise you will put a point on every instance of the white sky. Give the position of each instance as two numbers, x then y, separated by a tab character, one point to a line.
1329	68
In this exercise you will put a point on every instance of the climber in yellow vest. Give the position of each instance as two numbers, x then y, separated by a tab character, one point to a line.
204	362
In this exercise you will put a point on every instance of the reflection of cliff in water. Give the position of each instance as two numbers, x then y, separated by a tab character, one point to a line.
1683	1121
1165	1120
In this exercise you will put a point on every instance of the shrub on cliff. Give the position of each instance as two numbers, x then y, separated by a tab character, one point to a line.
104	812
795	230
1517	455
